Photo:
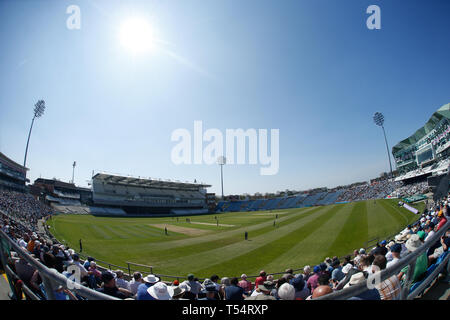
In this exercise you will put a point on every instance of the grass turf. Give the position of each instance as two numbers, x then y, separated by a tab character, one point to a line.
299	237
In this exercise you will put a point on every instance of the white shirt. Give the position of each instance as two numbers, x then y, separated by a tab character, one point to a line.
134	286
122	283
430	235
392	262
389	256
22	243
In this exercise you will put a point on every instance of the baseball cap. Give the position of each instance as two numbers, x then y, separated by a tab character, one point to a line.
383	242
316	269
396	248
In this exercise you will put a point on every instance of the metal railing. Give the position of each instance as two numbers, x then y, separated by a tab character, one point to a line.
408	260
51	278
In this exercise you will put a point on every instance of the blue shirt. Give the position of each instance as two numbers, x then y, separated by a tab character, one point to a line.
234	293
337	274
142	293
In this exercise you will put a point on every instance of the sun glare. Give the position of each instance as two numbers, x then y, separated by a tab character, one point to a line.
137	35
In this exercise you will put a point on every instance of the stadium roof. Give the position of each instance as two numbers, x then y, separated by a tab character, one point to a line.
442	112
147	182
12	163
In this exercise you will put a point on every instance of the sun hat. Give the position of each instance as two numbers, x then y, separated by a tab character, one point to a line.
401	238
266	286
151	278
243	276
160	291
355	279
347	268
286	292
177	291
390	244
413	243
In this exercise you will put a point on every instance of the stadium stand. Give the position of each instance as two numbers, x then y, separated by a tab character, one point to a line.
424	244
140	196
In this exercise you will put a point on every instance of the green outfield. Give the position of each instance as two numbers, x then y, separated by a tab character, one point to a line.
300	237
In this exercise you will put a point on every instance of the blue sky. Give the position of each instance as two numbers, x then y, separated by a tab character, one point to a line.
311	69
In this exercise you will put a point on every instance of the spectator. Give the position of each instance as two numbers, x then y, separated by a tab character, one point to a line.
286	292
312	282
233	291
95	276
301	290
245	284
421	263
192	288
320	291
160	291
337	274
177	293
136	282
306	273
396	249
390	288
361	252
348	270
370	294
142	291
120	281
445	243
260	280
264	292
429	229
109	286
210	291
83	271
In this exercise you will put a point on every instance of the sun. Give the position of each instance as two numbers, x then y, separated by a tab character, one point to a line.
137	35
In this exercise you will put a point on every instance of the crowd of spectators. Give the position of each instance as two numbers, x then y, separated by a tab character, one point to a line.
409	190
376	190
329	276
23	207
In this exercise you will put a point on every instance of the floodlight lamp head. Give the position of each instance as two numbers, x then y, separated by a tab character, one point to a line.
221	160
39	108
378	118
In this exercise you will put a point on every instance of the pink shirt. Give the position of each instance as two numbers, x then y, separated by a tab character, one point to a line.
313	282
246	285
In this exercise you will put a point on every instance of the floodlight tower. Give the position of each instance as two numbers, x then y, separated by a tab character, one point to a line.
221	161
73	171
39	109
378	118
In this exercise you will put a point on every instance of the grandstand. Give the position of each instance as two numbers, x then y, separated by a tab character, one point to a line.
13	176
426	152
124	195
